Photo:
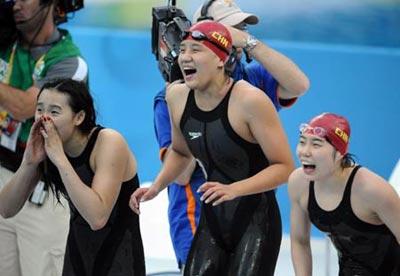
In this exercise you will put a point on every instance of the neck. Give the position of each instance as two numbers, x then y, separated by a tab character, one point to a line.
216	87
209	98
76	144
334	181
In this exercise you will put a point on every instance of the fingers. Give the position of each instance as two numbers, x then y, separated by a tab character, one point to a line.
35	129
44	133
206	186
211	190
212	196
47	123
137	197
215	192
220	200
134	204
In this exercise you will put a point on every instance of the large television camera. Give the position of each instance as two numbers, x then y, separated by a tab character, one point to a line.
8	31
168	27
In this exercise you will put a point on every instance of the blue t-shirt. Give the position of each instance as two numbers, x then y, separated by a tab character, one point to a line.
184	201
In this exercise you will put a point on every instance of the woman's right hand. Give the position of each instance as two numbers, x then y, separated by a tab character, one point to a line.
34	151
141	195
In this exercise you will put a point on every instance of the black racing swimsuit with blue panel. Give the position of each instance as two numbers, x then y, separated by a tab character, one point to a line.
240	236
364	249
114	250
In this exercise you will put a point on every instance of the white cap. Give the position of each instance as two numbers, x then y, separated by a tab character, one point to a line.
227	12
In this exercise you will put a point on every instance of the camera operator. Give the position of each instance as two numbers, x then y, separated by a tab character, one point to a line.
33	242
272	72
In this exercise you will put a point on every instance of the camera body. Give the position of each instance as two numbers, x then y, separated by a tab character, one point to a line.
63	7
168	27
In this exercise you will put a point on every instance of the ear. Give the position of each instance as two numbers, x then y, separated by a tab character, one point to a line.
221	64
338	157
79	117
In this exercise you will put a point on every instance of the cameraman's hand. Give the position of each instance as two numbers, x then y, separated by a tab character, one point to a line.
238	37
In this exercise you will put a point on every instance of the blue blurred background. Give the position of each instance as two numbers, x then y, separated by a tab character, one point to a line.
350	50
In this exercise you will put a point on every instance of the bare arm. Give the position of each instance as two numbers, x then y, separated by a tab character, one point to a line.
299	227
383	200
292	81
264	125
179	156
110	161
17	190
21	104
184	178
256	118
15	193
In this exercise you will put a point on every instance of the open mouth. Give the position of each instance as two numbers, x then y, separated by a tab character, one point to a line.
189	71
308	168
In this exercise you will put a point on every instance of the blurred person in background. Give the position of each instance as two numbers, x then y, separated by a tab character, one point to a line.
359	210
33	242
272	72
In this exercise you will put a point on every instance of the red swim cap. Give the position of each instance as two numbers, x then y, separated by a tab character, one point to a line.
336	130
214	36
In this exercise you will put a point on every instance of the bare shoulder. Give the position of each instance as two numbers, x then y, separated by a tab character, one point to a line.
110	140
175	91
372	187
251	97
176	97
297	184
245	90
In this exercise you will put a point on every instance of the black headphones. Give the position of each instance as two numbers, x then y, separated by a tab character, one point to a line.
46	2
204	11
231	61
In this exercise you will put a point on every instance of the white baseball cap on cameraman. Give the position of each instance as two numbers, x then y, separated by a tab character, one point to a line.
228	13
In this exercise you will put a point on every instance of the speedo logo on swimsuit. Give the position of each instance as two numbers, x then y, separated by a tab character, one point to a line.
194	135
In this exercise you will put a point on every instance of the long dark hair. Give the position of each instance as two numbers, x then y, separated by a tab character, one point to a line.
348	160
79	99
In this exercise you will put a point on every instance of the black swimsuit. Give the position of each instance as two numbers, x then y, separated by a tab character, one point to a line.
114	250
240	236
364	249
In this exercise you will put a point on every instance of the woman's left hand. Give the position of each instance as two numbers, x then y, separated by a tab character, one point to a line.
216	192
52	141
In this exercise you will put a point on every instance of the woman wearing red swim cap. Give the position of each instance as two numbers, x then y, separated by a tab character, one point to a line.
233	131
358	210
